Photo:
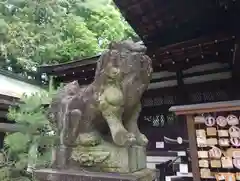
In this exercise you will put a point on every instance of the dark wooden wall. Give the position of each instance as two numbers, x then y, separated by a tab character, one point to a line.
196	86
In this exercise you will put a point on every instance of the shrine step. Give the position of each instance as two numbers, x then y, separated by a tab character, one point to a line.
80	175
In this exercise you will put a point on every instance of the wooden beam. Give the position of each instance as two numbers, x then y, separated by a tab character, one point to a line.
206	107
77	64
207	72
194	43
11	128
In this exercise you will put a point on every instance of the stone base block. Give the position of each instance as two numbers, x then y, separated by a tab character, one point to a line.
73	175
109	158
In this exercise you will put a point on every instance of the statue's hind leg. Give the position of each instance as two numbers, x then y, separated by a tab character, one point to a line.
132	126
82	131
69	125
75	131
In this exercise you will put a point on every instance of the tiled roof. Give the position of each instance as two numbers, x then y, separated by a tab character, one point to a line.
165	22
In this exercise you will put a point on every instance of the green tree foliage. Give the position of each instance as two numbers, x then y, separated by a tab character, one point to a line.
36	32
31	146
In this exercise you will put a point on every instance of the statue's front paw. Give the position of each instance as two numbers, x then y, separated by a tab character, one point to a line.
124	138
142	140
131	139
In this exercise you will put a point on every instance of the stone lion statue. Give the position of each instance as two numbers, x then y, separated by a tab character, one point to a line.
109	107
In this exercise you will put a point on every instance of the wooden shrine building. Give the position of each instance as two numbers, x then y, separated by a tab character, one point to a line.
194	47
195	50
12	88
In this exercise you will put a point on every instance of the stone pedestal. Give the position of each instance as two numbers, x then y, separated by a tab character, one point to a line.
108	157
74	175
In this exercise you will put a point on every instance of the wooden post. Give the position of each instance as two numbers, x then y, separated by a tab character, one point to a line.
235	65
193	147
181	98
51	84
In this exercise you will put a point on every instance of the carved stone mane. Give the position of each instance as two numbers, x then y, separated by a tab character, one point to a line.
126	55
130	58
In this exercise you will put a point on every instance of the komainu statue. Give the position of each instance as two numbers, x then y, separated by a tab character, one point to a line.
97	124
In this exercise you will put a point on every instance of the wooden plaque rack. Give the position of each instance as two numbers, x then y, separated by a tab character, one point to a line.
190	111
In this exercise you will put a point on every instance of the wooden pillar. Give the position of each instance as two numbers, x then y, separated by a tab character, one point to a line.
51	84
193	147
181	91
2	136
235	65
38	78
